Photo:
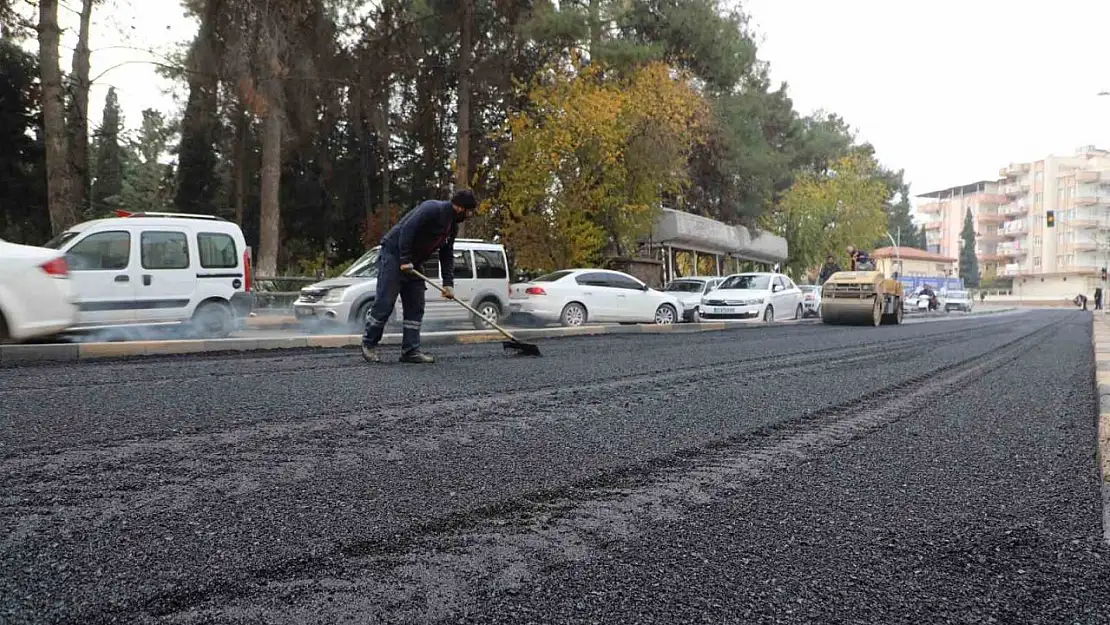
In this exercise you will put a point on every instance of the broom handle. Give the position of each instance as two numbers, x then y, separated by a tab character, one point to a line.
462	303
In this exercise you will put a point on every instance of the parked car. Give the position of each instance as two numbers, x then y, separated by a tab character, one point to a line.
689	291
811	300
481	280
749	295
36	295
957	300
574	297
159	268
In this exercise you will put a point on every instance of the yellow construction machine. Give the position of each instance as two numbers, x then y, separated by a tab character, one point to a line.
861	298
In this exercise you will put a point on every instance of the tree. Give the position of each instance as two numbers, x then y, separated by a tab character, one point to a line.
197	182
823	214
587	164
23	208
969	263
107	184
147	182
77	115
63	212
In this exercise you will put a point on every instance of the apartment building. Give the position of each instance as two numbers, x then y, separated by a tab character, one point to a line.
1010	214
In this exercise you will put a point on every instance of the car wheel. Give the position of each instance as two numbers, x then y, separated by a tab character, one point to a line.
665	315
358	322
799	313
696	317
769	315
573	315
212	320
489	311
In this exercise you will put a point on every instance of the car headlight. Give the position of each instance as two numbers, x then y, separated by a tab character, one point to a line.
335	295
751	302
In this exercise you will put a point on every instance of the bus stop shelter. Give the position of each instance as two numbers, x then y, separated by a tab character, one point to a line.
692	245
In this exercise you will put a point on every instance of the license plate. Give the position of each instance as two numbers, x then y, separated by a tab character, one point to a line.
305	312
724	311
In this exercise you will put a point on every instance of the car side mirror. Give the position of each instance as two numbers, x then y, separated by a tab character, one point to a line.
776	288
644	287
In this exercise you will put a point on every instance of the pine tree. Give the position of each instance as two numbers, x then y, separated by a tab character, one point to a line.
108	159
969	264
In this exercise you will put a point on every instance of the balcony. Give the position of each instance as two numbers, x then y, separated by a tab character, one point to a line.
1084	223
930	208
1012	269
1014	229
1081	246
990	258
1087	176
1092	200
931	225
993	199
1012	250
1014	208
1014	169
1012	190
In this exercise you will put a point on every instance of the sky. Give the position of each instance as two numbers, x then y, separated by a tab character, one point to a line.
949	90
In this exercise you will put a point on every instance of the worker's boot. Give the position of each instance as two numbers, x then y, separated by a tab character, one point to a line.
370	354
418	357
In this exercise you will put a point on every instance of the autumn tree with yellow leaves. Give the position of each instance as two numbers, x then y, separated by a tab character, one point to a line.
824	212
589	161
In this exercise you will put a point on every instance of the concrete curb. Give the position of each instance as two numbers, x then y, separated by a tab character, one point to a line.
1101	340
10	354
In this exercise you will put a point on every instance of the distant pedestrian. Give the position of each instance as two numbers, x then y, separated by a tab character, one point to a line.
982	296
828	269
1098	298
1080	301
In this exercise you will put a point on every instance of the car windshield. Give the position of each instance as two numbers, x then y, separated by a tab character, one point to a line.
552	277
365	267
957	294
60	240
807	288
685	286
747	282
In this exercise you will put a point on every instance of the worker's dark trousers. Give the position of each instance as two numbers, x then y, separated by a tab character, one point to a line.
392	282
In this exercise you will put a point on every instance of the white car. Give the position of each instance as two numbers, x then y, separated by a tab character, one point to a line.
159	268
36	297
753	295
957	300
574	297
481	279
689	291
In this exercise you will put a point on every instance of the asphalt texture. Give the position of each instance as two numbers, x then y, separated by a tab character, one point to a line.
937	472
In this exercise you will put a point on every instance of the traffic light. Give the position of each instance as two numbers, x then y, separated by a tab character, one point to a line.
1050	218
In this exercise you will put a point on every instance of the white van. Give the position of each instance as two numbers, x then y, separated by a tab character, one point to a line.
159	268
481	280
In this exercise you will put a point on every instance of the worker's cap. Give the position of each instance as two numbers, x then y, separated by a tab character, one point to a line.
465	199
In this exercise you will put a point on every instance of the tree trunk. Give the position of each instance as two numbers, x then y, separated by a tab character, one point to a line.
242	130
77	122
595	28
270	220
466	50
384	139
62	213
359	114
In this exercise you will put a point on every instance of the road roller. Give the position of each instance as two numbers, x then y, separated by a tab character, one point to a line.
861	298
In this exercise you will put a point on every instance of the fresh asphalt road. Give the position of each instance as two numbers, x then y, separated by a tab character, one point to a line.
928	473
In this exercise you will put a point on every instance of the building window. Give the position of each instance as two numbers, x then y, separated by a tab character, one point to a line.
1036	261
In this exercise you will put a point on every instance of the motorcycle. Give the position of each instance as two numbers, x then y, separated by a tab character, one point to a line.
927	303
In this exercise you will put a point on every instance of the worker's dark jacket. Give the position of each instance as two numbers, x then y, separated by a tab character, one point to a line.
432	224
827	270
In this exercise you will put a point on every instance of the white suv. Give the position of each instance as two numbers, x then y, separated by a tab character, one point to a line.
481	280
159	268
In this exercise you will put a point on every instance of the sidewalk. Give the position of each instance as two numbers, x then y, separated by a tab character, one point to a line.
1101	339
